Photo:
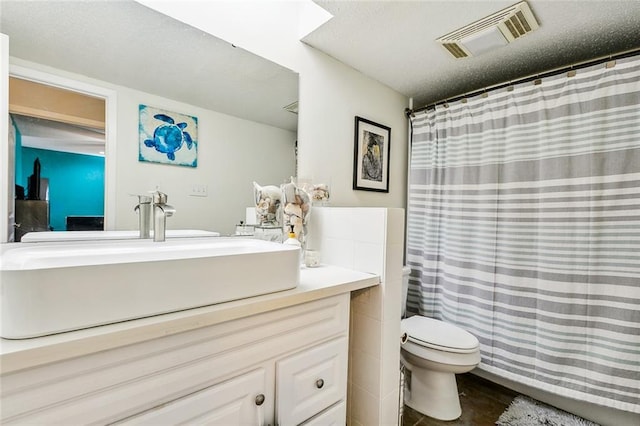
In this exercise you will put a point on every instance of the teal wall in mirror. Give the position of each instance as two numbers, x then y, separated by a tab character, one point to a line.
69	174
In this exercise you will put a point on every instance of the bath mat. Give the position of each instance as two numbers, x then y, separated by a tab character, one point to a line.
525	411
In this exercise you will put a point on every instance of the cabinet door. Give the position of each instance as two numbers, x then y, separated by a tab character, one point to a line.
238	401
311	381
334	416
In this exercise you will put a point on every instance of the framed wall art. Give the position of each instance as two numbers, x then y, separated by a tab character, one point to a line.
371	156
167	137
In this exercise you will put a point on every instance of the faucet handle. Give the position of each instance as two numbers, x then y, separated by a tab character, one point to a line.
142	199
159	197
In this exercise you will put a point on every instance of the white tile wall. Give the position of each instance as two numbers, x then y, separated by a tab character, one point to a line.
369	225
367	335
365	407
389	409
364	364
368	302
390	357
369	240
337	251
368	257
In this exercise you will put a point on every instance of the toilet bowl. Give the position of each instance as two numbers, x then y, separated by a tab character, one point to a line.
434	352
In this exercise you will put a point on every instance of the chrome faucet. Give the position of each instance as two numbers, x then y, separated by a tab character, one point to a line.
144	215
161	211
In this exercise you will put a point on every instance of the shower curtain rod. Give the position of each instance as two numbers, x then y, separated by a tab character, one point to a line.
409	112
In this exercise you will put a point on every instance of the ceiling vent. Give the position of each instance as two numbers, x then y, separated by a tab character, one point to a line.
494	31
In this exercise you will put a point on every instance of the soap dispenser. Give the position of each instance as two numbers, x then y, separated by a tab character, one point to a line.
293	241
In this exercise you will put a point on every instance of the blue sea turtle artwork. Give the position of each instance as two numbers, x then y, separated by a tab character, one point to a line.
168	138
167	134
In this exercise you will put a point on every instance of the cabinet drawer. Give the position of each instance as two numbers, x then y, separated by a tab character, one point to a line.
334	416
311	381
234	402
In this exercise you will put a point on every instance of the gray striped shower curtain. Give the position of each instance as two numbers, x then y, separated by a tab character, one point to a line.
524	229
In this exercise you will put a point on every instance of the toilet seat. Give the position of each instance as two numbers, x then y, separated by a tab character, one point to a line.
439	335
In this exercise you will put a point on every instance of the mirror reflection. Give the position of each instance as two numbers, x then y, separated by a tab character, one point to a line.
144	57
60	138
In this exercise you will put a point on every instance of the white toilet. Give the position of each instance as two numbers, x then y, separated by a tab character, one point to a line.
434	352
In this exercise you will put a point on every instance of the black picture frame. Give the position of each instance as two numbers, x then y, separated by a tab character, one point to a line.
372	152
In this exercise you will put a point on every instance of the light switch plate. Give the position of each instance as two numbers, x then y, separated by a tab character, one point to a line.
198	190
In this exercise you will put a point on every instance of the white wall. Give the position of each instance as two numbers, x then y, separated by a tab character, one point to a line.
232	153
331	95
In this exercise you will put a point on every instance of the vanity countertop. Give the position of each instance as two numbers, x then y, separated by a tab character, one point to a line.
315	283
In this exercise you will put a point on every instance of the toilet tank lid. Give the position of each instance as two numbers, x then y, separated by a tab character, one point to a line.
435	333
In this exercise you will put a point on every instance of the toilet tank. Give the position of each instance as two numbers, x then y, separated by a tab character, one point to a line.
406	271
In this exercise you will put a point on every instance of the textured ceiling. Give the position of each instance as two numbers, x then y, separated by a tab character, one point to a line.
394	41
125	43
128	44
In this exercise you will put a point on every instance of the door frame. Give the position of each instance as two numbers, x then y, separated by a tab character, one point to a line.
110	98
7	190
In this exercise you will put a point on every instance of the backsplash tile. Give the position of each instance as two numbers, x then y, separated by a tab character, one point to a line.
337	221
339	252
369	225
369	257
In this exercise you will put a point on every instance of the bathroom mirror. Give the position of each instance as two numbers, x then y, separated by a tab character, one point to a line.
126	45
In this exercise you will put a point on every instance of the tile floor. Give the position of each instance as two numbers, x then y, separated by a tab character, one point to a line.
482	403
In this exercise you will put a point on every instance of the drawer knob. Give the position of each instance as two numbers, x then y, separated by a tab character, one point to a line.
319	383
260	399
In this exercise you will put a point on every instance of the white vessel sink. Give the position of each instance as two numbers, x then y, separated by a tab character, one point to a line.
51	236
49	288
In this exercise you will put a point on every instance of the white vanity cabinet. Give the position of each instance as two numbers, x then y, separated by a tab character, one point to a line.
239	401
283	367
